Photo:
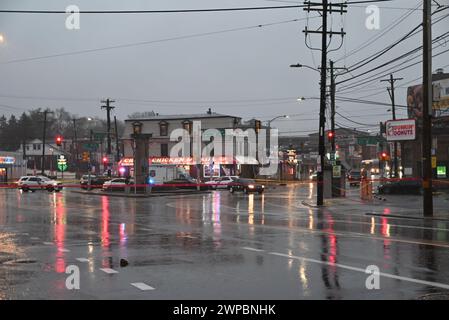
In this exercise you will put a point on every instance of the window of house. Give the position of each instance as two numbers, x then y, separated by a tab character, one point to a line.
187	125
164	150
163	128
34	146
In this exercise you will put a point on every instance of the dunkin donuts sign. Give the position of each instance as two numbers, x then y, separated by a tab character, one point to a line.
400	130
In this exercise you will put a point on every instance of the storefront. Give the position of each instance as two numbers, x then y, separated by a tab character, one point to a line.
210	167
11	167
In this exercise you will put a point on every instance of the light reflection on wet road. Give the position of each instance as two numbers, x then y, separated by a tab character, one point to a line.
215	246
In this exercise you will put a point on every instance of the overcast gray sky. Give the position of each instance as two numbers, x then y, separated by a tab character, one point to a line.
244	73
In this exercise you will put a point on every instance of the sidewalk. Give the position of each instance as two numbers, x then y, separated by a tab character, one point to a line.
398	206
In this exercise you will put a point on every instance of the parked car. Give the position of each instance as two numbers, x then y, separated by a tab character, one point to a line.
246	186
222	182
354	178
401	187
95	181
185	182
117	184
33	183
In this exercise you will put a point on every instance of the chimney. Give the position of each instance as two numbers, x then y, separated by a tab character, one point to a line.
209	111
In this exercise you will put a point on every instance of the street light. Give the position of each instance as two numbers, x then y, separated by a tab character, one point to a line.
298	65
275	118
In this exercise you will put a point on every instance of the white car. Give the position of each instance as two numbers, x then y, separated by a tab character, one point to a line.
33	183
222	183
117	184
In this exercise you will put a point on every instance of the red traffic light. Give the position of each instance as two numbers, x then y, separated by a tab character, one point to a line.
105	159
330	134
58	140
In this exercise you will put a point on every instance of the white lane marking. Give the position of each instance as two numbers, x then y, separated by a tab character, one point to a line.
34	238
190	237
48	243
82	259
386	275
146	229
108	270
252	249
63	250
142	286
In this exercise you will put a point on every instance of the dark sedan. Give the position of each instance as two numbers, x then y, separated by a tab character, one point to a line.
185	183
401	187
246	186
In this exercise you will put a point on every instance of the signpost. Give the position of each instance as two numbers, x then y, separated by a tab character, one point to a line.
62	164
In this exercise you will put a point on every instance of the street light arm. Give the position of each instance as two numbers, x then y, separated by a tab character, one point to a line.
298	65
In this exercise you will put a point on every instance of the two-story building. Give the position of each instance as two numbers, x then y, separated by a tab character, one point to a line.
211	164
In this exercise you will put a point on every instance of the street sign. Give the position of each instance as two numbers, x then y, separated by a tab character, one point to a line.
336	171
62	163
434	162
366	141
90	146
99	136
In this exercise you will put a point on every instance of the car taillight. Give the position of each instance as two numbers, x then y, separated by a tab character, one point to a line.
251	186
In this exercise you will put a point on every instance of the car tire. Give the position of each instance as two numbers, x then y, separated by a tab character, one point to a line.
231	190
25	189
260	192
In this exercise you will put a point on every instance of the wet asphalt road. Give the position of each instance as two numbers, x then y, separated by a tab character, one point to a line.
214	246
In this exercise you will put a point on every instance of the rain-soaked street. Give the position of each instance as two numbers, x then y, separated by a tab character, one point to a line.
216	246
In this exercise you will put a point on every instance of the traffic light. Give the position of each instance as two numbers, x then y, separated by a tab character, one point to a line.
384	156
330	136
105	160
257	125
59	141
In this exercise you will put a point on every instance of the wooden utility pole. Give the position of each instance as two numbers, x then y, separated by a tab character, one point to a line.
427	110
324	9
392	80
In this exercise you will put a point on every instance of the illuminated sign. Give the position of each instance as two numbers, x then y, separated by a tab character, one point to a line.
7	160
129	162
400	130
441	171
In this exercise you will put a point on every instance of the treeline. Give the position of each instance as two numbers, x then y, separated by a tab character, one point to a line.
29	126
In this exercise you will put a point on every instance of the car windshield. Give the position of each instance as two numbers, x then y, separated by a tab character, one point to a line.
44	178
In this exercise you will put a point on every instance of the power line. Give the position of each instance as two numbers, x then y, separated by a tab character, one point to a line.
135	44
153	11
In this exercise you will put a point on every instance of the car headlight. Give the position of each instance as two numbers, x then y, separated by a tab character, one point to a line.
263	187
251	186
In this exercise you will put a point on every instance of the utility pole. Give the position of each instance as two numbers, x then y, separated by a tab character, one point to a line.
75	143
392	80
116	142
108	108
44	136
325	9
427	110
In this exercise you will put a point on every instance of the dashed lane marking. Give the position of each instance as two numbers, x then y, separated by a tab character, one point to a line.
108	270
48	243
252	249
82	259
142	286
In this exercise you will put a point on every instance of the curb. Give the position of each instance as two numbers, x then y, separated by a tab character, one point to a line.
151	195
